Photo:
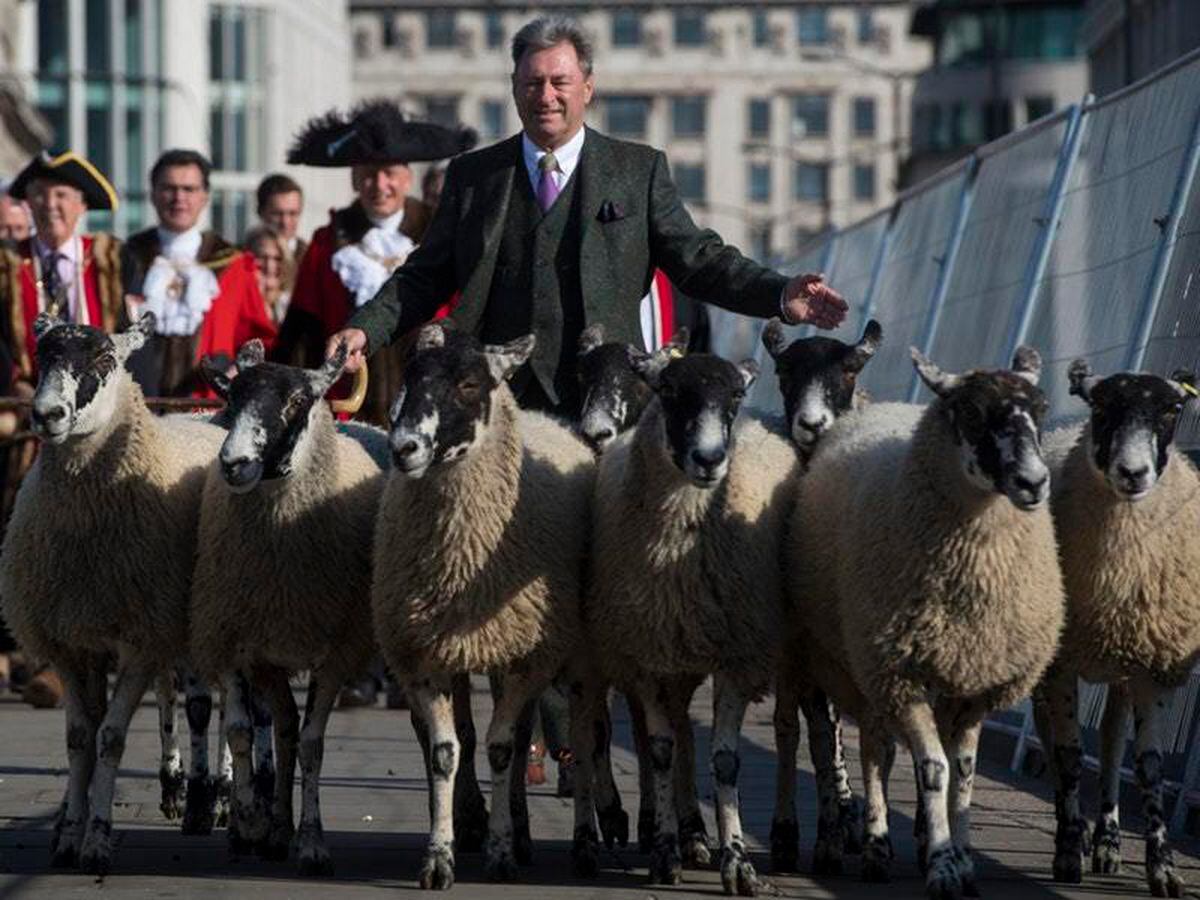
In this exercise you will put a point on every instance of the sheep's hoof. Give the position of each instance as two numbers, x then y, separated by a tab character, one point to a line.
585	858
1068	866
500	864
737	872
95	857
877	858
1160	872
224	798
437	869
279	840
1106	848
198	813
470	824
311	853
614	824
785	845
665	865
252	822
173	795
966	871
65	841
647	829
693	841
827	857
850	822
943	881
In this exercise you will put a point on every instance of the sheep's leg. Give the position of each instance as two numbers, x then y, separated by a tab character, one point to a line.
249	821
170	766
693	836
199	814
878	754
518	690
932	772
264	755
470	809
431	702
588	719
665	865
641	745
1106	839
223	783
285	719
850	814
1043	725
729	709
785	827
823	749
133	679
518	798
1149	709
83	721
961	741
614	821
1060	691
313	855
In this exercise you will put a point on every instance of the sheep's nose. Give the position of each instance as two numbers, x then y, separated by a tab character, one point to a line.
709	459
1033	487
406	448
602	436
1133	474
816	426
48	415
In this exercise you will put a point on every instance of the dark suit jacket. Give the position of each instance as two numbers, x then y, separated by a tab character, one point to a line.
632	220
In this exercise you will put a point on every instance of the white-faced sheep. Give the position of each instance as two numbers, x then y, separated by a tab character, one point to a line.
685	576
1127	510
818	380
282	580
479	554
97	559
922	562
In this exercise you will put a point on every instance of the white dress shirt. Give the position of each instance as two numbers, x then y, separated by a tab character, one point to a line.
567	156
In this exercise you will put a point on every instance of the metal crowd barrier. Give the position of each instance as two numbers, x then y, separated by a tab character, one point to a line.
1078	235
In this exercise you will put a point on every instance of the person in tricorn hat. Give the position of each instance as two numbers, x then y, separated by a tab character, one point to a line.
201	289
350	258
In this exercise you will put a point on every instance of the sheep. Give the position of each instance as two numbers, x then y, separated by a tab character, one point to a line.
479	552
922	564
97	559
685	575
282	580
1127	510
818	381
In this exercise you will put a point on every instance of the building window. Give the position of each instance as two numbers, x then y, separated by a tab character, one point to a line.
99	38
864	116
864	182
390	37
812	26
758	182
442	110
491	118
687	116
758	118
689	178
810	115
762	28
626	28
998	118
237	88
1038	107
441	27
230	213
966	124
866	26
812	182
760	241
52	37
626	116
493	29
690	28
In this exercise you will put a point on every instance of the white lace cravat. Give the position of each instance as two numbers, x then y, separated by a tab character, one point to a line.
365	266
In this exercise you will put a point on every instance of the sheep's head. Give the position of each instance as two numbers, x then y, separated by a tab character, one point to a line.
444	407
996	419
700	396
817	377
268	413
1134	416
78	368
613	394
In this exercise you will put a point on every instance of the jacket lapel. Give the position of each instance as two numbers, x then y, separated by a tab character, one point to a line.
491	204
597	175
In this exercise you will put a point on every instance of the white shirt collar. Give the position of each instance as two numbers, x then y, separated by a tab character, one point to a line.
179	244
68	250
391	223
567	156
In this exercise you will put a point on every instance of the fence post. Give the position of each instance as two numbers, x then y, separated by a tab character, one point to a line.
1165	251
946	267
1051	213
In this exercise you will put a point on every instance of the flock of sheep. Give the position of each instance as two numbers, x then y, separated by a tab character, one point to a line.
914	567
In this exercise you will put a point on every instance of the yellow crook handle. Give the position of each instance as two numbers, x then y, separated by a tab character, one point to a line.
354	402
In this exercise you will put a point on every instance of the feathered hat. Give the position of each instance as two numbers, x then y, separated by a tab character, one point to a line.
67	168
375	132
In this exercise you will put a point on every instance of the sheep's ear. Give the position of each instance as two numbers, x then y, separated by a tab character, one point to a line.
324	378
748	369
134	337
43	323
865	348
941	383
215	374
1081	379
431	336
1027	363
504	359
250	354
397	405
773	337
1185	383
591	338
650	366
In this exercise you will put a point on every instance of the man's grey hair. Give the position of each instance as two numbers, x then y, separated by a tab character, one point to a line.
549	31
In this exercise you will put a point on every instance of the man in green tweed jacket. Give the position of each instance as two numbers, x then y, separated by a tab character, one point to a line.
561	227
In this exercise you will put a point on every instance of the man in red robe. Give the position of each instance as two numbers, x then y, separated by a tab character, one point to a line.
201	289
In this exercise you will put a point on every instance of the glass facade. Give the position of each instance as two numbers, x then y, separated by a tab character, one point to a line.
864	116
810	115
974	37
626	116
758	118
687	116
689	178
626	28
811	182
691	28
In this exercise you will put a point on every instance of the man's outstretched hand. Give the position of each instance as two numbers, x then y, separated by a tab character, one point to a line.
356	347
807	299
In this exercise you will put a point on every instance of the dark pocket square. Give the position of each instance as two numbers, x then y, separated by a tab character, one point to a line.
610	211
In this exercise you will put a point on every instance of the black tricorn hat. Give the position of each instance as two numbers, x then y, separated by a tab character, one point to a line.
67	168
375	132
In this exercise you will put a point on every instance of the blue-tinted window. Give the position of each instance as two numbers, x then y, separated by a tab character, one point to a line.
133	37
810	115
864	181
866	26
690	28
52	37
442	110
812	182
864	116
812	25
99	36
762	28
758	182
491	118
441	26
1037	107
493	27
626	116
626	28
687	116
689	178
758	118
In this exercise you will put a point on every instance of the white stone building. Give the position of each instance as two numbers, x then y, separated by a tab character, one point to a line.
779	119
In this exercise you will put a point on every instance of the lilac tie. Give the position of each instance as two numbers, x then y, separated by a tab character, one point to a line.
547	191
